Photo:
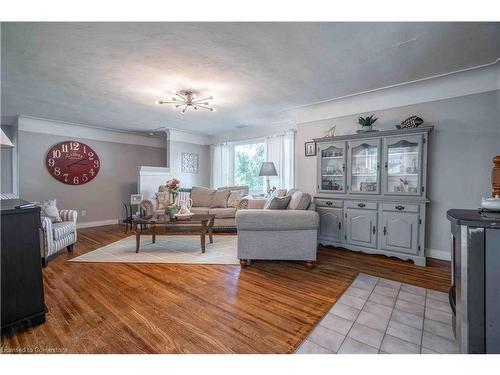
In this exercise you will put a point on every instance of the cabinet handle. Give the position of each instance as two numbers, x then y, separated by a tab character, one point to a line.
329	203
361	205
399	207
378	166
340	225
385	165
343	167
374	230
385	231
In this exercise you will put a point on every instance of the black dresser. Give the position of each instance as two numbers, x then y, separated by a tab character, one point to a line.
22	300
475	290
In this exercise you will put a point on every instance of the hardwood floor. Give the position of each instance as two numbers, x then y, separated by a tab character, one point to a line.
163	308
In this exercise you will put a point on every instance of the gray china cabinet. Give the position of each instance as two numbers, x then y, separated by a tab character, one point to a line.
371	192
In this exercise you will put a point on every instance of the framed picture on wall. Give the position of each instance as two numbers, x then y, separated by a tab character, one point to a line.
310	148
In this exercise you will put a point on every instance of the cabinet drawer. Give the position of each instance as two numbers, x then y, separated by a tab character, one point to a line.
333	203
361	204
400	207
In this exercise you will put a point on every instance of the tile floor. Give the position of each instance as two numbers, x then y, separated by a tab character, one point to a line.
377	315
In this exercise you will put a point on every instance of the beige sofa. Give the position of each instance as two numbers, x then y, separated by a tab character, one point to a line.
211	201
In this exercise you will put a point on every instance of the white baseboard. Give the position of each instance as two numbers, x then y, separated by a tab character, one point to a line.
90	224
437	254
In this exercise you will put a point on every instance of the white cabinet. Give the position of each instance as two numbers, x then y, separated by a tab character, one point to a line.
400	232
330	227
361	227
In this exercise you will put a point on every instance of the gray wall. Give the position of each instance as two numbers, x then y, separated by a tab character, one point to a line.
103	196
6	163
117	179
466	137
190	179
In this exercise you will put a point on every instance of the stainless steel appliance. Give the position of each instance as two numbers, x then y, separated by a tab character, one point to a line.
475	294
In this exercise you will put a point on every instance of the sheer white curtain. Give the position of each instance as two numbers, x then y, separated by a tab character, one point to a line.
280	149
222	165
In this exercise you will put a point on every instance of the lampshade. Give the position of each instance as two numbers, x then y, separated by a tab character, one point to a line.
5	141
268	169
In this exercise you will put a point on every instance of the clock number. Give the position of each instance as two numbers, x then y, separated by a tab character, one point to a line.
96	163
76	180
57	171
64	147
84	149
66	175
91	155
74	146
52	162
56	154
84	177
92	172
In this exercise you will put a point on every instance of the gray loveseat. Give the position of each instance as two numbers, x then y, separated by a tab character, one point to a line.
270	234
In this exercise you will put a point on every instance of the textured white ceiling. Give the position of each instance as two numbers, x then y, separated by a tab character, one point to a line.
110	74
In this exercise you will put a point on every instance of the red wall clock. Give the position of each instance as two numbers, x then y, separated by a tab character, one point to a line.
72	163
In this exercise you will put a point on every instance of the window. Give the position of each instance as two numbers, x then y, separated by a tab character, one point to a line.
238	163
247	161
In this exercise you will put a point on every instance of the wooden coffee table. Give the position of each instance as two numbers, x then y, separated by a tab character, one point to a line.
204	223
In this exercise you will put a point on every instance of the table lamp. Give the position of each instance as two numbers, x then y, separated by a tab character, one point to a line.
267	169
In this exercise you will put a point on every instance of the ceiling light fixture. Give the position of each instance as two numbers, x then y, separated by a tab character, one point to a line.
187	98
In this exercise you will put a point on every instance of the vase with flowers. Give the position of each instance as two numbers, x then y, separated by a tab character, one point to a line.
172	188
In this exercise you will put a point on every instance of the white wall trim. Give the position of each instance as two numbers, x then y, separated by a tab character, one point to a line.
70	129
450	85
437	254
91	224
188	137
252	132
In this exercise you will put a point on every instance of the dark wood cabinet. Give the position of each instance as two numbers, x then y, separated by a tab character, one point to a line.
22	299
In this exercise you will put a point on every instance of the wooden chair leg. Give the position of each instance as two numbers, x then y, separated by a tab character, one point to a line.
44	262
244	263
70	248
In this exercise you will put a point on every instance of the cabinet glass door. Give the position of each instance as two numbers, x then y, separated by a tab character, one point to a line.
332	168
364	162
402	164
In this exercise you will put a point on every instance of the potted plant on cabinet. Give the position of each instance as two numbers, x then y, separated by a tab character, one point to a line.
366	123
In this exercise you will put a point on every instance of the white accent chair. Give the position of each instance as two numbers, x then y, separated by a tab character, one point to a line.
57	236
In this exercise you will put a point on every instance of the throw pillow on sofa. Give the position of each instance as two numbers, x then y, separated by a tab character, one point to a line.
202	196
277	203
219	199
280	193
299	201
234	198
49	209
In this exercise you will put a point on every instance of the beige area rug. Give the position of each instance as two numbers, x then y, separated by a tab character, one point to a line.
183	249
